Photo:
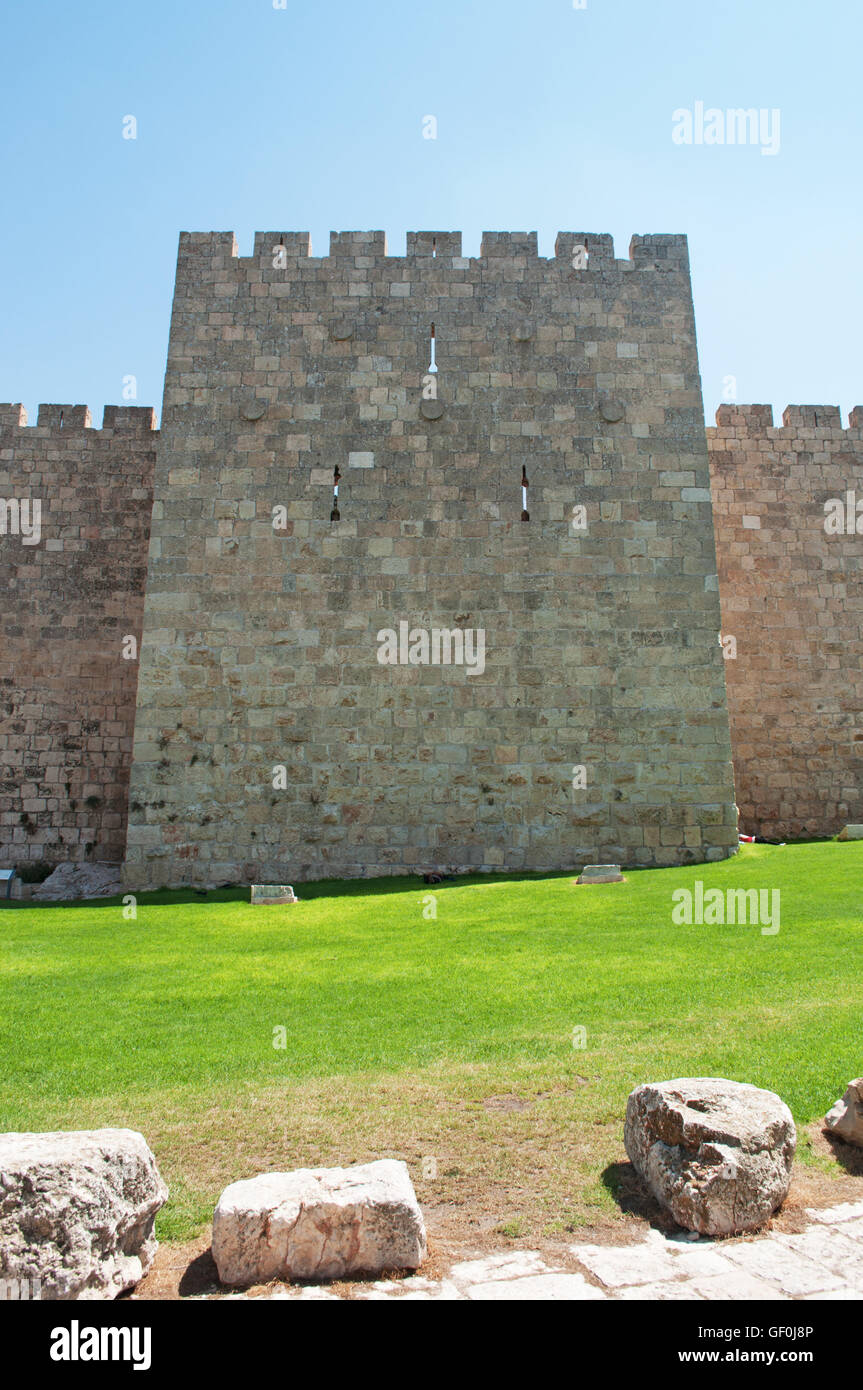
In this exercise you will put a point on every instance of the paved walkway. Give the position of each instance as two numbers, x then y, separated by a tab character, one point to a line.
824	1262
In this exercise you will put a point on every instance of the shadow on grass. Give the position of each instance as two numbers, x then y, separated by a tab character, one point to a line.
306	892
631	1196
199	1276
383	886
847	1155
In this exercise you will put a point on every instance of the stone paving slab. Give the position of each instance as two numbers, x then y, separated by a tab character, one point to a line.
846	1211
508	1266
834	1294
830	1248
617	1266
739	1287
823	1262
534	1287
792	1273
674	1289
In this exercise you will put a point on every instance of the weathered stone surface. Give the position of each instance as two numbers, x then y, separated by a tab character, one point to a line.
68	712
318	1223
717	1153
71	881
600	873
846	1117
392	767
784	699
77	1209
269	894
851	832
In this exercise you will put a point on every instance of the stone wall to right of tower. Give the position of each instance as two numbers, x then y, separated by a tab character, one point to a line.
791	590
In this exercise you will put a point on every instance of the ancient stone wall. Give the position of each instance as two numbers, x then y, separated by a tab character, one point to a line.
72	572
791	584
275	739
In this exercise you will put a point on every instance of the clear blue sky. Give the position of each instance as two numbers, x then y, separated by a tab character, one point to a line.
310	118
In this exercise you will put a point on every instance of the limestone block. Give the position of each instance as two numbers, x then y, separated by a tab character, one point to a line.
271	894
319	1223
600	873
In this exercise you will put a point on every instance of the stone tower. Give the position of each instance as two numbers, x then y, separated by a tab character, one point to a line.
297	716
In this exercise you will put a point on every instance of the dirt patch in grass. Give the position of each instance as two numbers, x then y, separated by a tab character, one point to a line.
532	1167
482	1154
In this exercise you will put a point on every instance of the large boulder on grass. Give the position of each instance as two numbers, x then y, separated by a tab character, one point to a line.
318	1223
717	1154
845	1120
77	1209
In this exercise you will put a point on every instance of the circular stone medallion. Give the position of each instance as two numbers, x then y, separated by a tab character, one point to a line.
342	330
431	410
612	411
253	410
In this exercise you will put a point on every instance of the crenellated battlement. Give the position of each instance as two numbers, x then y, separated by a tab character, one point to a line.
651	252
738	421
54	418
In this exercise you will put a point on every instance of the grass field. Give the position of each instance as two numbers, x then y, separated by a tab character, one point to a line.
447	1038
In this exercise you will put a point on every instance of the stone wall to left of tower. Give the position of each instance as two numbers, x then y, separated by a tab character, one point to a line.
72	588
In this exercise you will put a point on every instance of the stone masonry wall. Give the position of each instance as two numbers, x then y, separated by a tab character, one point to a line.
792	598
261	640
67	696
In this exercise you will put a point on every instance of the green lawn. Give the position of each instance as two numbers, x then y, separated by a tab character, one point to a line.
413	1037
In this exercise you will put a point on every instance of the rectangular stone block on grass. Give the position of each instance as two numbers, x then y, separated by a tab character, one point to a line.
600	873
271	894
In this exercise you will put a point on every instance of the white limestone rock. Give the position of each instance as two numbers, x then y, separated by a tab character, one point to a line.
318	1223
716	1153
846	1117
600	873
70	882
77	1209
271	894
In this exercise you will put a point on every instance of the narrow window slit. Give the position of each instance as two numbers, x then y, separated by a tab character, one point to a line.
61	419
525	514
434	247
335	514
432	363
